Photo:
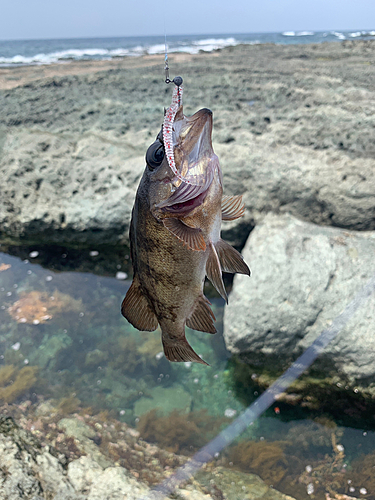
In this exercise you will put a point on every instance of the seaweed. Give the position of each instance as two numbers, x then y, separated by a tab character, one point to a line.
126	356
328	475
25	379
6	373
317	434
266	459
37	307
362	473
69	405
178	432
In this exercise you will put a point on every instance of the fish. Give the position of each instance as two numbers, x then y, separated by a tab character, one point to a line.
175	233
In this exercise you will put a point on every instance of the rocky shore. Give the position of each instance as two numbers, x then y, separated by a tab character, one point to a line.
81	457
293	128
294	131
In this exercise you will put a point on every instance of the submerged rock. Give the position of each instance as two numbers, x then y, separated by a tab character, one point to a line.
303	277
236	485
165	400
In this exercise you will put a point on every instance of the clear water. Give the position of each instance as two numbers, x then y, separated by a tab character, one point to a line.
65	326
24	52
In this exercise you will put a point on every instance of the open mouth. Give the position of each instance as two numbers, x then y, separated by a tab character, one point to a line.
184	207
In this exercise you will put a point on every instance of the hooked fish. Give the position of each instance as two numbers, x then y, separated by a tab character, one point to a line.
175	233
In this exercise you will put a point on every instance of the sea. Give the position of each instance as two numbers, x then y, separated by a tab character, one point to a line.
27	52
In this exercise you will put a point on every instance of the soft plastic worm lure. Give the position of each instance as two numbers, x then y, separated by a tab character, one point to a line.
168	130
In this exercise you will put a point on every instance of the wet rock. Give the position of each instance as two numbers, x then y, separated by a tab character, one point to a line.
85	439
303	277
27	471
92	482
238	485
30	472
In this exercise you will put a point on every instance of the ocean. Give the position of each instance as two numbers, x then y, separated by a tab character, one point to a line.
26	52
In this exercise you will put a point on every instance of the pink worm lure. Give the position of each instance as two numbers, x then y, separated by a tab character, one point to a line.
168	130
170	114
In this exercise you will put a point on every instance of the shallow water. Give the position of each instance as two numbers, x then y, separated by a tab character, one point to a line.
65	326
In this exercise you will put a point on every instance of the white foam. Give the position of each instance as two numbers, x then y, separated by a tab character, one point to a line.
339	35
305	33
362	33
289	33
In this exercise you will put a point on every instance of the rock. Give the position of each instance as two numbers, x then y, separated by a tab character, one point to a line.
27	471
236	485
84	438
92	482
165	400
320	186
303	277
293	130
30	472
82	187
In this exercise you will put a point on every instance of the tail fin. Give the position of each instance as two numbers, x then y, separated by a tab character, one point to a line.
180	350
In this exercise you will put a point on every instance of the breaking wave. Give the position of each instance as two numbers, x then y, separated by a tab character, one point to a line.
26	52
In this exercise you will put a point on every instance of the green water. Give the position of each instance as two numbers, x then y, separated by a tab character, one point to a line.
63	322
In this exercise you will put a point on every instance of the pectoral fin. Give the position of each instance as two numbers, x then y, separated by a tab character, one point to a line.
202	317
136	309
190	236
213	271
231	261
232	207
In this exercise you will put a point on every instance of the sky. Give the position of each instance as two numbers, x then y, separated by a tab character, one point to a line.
40	19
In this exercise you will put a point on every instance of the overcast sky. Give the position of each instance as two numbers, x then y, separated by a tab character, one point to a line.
26	19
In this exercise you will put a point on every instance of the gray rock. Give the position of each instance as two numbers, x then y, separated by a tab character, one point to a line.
293	128
69	189
236	485
29	472
84	436
303	277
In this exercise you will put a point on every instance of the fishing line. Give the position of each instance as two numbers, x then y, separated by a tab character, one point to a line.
255	410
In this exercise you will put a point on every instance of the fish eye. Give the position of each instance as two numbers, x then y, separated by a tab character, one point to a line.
155	155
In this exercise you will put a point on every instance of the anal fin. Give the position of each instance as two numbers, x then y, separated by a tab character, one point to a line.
179	349
232	207
202	318
136	309
190	236
231	261
213	271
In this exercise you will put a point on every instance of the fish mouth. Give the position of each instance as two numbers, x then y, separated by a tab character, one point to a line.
195	160
187	206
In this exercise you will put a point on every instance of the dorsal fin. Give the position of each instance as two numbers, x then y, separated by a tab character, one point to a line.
213	271
202	318
231	261
136	309
232	207
190	236
179	349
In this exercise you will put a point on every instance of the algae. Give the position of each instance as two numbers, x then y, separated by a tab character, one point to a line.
37	307
178	432
25	379
266	459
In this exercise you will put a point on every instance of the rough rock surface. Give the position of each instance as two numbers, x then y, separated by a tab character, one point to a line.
29	471
303	277
293	127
